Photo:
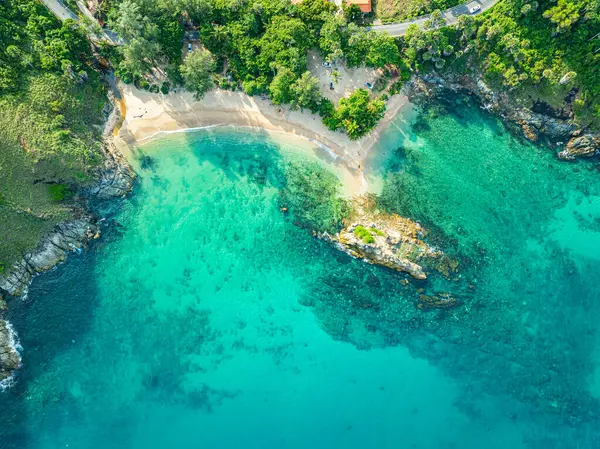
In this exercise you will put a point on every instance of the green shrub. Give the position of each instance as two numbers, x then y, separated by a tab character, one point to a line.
364	234
174	75
255	86
59	192
326	107
377	232
164	88
142	84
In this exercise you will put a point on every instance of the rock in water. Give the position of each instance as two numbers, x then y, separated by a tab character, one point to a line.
580	146
10	360
383	239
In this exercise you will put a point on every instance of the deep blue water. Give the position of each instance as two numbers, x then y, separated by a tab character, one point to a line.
205	318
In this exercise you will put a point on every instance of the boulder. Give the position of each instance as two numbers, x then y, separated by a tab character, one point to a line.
581	146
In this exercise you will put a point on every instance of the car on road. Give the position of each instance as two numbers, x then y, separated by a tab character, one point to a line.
326	64
474	9
331	86
368	85
189	47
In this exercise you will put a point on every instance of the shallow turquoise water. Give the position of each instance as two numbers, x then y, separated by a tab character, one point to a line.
206	319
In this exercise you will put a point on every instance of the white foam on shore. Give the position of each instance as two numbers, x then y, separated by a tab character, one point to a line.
15	345
177	131
324	147
313	141
314	145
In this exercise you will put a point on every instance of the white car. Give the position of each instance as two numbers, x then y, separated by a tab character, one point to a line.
189	47
326	64
474	9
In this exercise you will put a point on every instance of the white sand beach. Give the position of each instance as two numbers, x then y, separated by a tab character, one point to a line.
148	114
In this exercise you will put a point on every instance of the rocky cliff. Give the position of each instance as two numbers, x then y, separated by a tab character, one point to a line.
537	121
114	179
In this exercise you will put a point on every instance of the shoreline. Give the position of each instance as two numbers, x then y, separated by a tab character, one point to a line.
149	115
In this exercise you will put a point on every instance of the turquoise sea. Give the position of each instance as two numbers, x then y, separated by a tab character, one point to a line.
207	318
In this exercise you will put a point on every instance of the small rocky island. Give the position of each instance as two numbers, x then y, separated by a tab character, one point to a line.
387	239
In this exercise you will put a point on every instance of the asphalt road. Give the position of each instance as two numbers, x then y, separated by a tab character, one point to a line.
60	10
451	15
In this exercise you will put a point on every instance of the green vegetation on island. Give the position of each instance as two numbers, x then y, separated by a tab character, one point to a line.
364	234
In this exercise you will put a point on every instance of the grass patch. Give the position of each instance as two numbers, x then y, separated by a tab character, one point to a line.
364	234
49	138
59	192
377	232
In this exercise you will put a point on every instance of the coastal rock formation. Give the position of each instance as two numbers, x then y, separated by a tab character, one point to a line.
10	360
115	178
581	146
52	249
536	121
383	239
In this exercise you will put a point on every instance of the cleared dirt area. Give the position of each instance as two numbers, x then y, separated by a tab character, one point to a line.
347	82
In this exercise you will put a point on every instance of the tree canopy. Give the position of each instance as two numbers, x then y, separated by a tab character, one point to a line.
197	70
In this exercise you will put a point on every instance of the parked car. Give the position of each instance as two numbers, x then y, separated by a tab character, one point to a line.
330	86
474	9
189	47
368	85
327	64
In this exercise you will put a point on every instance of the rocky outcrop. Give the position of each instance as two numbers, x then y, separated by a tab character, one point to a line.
439	301
114	178
581	146
537	121
52	249
10	360
384	239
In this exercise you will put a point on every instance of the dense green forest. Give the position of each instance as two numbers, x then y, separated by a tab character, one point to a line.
547	50
50	103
